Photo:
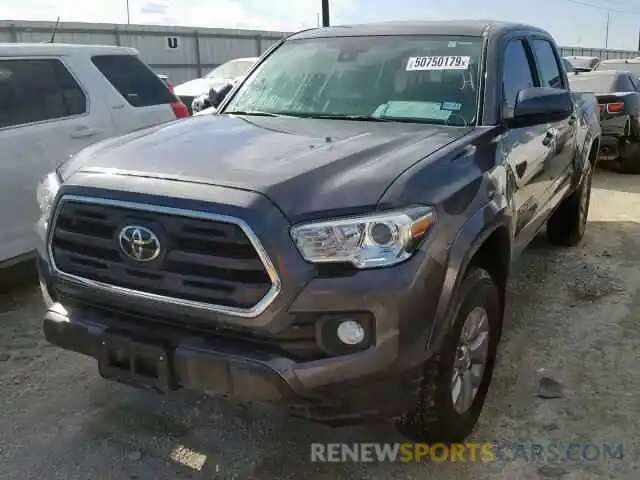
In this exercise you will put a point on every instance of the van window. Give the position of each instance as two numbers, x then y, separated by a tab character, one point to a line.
34	90
133	79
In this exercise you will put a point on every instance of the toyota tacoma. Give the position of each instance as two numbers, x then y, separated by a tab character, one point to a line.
337	238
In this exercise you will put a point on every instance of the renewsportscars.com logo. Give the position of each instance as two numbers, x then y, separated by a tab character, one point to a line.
465	452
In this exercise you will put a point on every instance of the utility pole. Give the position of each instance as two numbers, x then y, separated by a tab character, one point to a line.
325	13
606	35
128	14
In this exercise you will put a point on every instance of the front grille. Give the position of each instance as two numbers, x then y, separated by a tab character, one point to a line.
205	261
296	341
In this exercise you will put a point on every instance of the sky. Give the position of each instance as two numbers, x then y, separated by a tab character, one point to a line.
572	22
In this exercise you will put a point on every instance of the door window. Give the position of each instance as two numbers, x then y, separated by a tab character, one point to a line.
516	74
34	90
549	69
134	80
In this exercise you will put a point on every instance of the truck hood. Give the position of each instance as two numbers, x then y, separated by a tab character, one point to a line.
305	166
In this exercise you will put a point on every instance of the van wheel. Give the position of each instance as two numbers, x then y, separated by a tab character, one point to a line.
567	224
456	380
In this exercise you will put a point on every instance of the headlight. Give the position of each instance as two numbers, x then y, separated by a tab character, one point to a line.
46	193
377	240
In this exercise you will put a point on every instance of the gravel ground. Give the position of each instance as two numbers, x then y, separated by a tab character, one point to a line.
572	317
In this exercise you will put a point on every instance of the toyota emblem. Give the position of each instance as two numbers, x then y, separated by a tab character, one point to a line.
139	243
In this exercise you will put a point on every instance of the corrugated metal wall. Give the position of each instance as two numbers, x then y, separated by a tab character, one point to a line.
184	53
181	53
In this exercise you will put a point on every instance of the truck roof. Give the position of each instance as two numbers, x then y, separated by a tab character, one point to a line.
29	49
471	28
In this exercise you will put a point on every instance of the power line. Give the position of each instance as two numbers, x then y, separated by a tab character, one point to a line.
603	8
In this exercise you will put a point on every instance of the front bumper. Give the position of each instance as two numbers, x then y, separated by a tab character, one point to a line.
380	381
334	391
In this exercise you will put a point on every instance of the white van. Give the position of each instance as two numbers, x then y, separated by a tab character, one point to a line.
55	100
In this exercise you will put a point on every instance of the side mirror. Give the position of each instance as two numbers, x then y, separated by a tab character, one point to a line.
216	96
540	105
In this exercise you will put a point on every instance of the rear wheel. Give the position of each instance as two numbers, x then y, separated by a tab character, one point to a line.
629	159
456	380
567	225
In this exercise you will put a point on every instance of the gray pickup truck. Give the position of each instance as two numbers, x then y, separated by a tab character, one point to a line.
338	237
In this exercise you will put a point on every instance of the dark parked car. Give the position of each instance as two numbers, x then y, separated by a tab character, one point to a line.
618	95
338	237
582	63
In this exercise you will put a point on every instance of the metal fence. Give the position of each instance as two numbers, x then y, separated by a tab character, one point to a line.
184	53
601	53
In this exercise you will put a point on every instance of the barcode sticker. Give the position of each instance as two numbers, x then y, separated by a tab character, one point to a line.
449	62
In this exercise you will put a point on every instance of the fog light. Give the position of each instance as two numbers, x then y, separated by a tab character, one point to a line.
350	332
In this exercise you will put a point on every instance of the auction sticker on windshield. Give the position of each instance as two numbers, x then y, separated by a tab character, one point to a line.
448	62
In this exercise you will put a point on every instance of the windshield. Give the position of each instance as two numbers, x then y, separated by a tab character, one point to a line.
622	65
593	83
232	69
427	79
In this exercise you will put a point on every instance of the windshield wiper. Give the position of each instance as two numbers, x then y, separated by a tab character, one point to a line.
254	113
365	118
336	116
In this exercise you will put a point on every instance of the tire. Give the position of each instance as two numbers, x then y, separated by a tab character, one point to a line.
629	160
567	224
435	419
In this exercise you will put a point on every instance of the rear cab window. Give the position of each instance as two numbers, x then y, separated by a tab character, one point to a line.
36	90
140	86
422	78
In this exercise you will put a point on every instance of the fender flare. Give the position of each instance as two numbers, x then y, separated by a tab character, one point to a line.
466	244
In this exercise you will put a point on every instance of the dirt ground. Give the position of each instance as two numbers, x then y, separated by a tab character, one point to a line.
572	316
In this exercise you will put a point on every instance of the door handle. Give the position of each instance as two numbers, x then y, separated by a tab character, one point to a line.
549	136
83	132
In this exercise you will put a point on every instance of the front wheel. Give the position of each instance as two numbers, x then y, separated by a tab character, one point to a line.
568	223
456	380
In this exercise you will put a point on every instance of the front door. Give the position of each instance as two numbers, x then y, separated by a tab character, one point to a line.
526	150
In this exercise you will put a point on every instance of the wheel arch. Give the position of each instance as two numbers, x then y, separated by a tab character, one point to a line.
479	243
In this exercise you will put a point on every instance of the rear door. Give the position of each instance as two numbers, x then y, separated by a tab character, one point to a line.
560	136
46	115
137	97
